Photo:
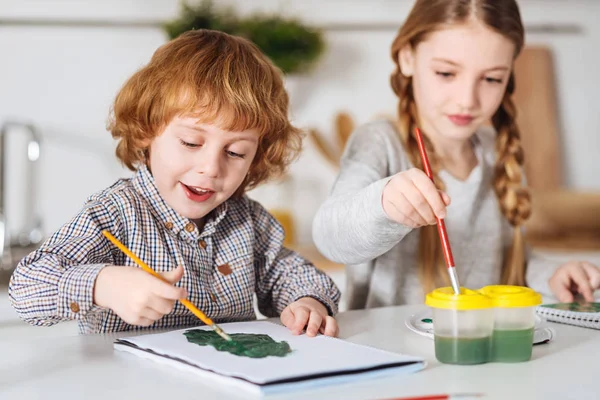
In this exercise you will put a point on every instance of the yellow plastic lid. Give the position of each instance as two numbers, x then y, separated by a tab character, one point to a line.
467	299
512	296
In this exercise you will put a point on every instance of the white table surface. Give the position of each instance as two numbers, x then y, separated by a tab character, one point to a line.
65	365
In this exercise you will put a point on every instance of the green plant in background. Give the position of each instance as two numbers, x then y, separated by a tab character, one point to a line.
291	45
201	16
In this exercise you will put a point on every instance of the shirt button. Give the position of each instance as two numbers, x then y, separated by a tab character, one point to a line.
202	243
224	269
213	297
74	307
189	227
169	225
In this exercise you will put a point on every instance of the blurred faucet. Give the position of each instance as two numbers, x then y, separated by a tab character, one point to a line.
31	233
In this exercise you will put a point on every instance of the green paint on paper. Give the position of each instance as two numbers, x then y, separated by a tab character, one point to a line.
243	344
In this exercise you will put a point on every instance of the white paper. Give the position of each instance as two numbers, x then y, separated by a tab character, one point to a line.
310	356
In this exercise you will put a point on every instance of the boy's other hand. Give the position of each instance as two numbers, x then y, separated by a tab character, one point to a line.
309	313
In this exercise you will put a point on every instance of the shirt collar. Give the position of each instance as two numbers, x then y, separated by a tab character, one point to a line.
168	218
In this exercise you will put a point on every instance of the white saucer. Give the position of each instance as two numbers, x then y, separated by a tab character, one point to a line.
422	324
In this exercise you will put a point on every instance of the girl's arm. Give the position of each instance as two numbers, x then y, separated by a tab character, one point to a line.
351	227
538	273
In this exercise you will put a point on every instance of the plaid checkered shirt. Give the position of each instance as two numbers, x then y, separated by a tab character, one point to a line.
238	253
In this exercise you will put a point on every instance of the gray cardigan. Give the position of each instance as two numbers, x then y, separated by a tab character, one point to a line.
381	255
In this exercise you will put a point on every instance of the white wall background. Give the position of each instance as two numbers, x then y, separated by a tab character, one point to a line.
63	79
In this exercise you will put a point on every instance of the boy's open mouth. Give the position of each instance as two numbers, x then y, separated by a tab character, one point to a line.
198	190
196	193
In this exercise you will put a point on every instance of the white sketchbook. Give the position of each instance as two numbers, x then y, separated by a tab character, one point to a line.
315	361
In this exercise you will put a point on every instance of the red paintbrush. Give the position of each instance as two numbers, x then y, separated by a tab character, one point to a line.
442	397
440	222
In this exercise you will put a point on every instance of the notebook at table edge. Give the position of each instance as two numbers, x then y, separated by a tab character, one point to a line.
121	344
409	367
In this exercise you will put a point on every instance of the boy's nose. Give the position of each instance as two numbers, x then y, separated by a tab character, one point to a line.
209	163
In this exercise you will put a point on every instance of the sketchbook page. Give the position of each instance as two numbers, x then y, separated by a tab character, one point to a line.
309	356
580	314
227	383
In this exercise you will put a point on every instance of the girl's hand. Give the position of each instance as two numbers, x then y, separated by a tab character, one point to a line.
411	199
575	278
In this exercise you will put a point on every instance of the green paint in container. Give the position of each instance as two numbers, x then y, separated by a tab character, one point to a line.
462	325
512	345
462	351
514	321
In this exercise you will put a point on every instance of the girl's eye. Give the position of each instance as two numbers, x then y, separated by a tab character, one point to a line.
235	155
493	80
444	74
190	145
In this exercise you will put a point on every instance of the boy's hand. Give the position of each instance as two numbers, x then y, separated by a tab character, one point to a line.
411	199
575	277
136	296
308	311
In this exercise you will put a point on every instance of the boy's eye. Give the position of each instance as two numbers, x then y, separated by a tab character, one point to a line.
235	155
190	145
492	80
444	74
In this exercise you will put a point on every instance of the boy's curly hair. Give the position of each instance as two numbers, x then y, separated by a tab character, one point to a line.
218	78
